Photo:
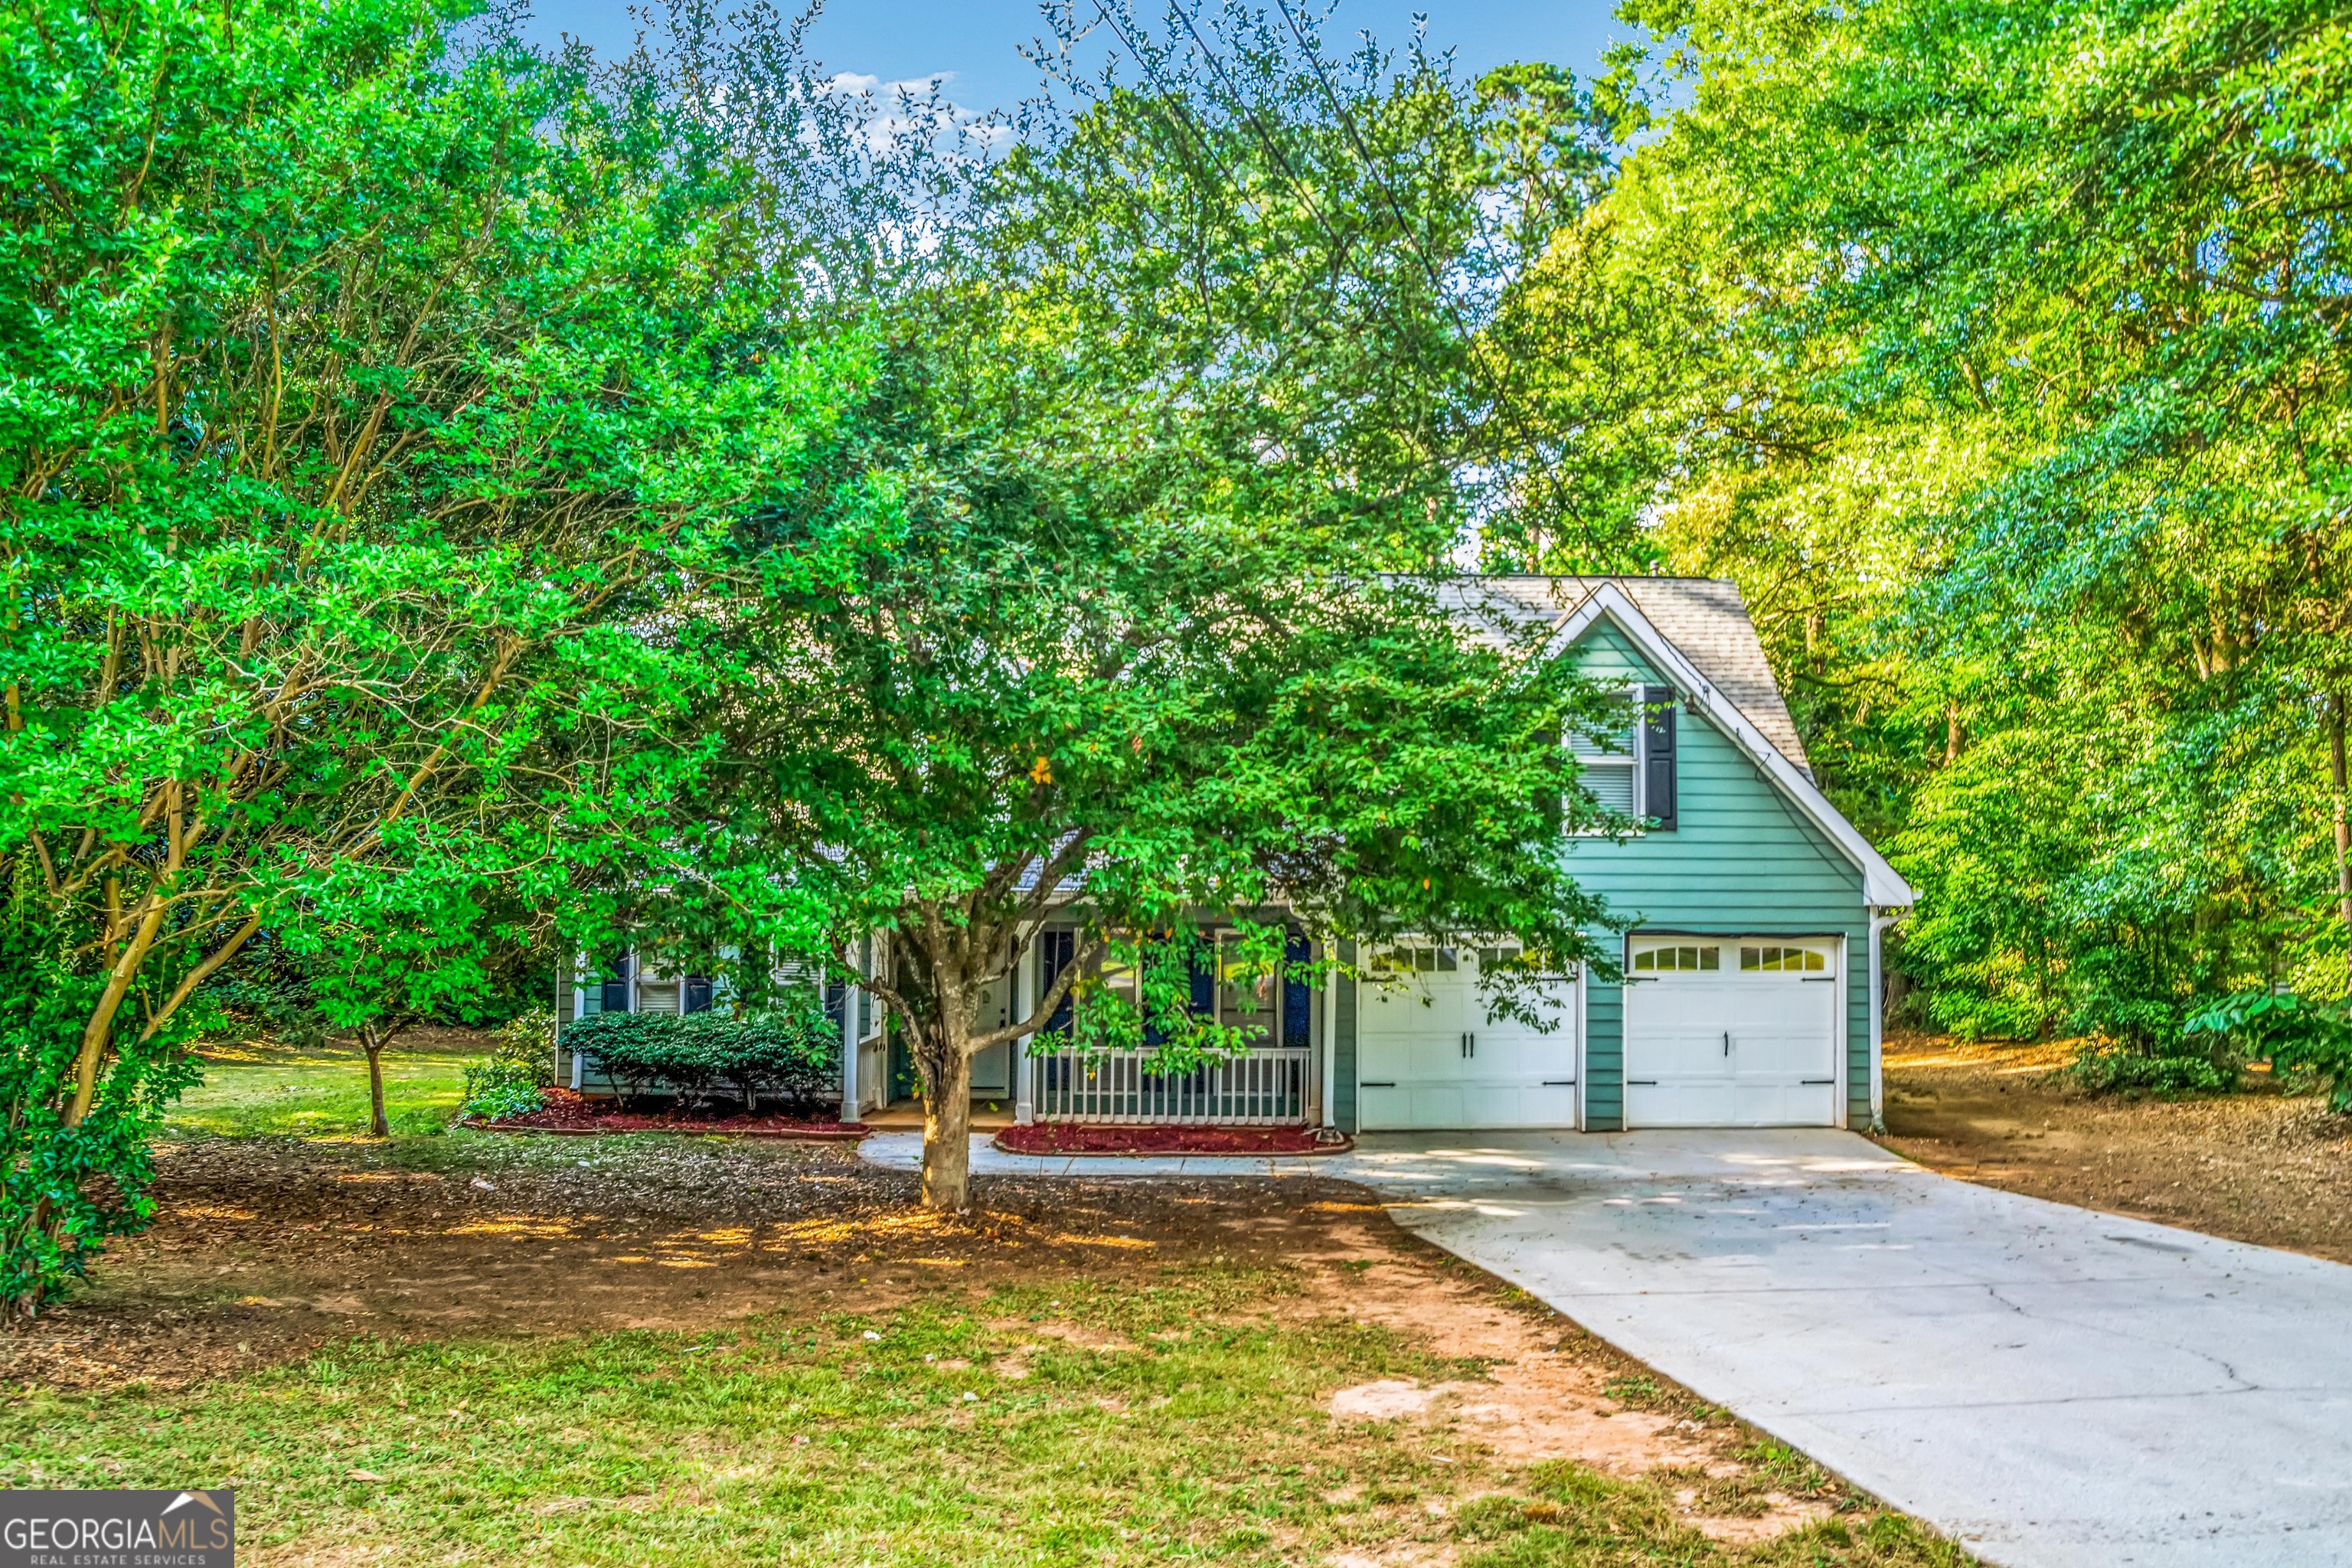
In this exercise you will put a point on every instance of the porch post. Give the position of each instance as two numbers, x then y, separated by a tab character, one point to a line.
850	1108
1024	986
1328	1052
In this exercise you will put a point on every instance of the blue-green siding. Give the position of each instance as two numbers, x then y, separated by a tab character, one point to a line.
1744	861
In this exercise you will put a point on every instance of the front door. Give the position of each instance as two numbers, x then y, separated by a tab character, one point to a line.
991	1069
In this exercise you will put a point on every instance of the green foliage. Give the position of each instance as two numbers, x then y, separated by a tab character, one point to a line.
2295	1036
1114	601
792	1054
526	1043
1999	350
363	390
2106	1069
497	1088
521	1064
70	1184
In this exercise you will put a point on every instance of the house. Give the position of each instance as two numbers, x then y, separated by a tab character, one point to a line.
1750	964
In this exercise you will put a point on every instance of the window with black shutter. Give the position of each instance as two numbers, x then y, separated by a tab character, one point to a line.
1658	755
697	995
617	983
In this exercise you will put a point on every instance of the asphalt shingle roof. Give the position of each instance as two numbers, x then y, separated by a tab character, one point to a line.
1705	618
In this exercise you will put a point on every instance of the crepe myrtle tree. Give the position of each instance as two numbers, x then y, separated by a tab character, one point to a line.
438	926
1025	683
1150	747
367	394
1094	611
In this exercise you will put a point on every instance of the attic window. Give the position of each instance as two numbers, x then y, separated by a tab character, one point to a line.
1609	766
1631	770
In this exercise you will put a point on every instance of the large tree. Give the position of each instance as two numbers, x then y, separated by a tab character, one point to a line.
1118	605
363	391
2000	351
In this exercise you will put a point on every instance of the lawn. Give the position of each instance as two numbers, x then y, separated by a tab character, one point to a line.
456	1347
322	1089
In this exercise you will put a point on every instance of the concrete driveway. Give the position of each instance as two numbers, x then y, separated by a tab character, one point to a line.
2051	1386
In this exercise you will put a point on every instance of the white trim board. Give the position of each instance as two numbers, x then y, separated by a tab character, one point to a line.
1882	886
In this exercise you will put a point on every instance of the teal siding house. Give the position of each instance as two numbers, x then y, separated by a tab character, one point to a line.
1747	916
1751	969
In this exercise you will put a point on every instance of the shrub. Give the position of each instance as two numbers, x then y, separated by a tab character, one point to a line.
496	1087
2297	1036
521	1064
526	1043
2108	1068
791	1054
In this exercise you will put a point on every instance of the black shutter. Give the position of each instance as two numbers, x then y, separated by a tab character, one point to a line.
1202	971
616	985
1658	755
1060	947
697	995
1298	1011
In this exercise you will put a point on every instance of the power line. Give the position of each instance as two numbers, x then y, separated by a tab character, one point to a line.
1364	155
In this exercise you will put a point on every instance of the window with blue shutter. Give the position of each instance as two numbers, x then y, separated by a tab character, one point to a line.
695	997
617	983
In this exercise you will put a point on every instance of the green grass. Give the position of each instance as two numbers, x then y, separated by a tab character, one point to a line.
1575	1518
317	1091
1182	1435
1178	1426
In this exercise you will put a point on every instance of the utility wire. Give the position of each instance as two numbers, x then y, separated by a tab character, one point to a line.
1503	402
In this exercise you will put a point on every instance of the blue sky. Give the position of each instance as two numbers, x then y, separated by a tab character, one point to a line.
978	40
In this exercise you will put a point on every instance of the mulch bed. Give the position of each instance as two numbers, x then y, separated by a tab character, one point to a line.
565	1112
1090	1137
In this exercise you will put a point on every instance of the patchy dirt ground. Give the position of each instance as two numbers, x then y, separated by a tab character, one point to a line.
2270	1169
266	1248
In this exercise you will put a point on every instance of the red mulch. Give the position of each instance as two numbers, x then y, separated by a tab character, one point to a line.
1089	1138
565	1111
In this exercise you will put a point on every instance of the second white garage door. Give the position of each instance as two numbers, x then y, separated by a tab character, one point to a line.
1430	1055
1732	1032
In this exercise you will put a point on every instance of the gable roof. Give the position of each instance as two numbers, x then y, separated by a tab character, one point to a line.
1570	606
1703	617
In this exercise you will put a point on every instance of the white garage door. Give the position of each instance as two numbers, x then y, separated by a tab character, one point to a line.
1430	1055
1732	1032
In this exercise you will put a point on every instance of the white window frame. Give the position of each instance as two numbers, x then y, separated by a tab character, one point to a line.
1634	757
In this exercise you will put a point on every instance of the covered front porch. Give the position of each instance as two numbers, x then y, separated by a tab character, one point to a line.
1281	1079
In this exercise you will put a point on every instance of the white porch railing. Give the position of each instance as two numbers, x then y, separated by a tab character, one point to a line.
1262	1087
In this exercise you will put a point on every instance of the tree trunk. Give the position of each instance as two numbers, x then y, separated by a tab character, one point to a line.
2343	829
946	1128
373	1037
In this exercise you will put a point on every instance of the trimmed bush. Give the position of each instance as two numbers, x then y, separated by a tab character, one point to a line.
792	1055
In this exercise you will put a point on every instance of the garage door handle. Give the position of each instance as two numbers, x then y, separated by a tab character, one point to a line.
1727	1042
1376	1083
1559	1083
1808	1082
1821	979
1645	1082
